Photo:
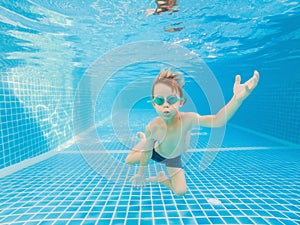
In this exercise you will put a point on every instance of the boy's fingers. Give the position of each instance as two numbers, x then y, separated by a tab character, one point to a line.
256	76
237	79
254	79
256	73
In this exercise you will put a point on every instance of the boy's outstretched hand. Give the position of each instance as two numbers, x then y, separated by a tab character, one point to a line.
242	91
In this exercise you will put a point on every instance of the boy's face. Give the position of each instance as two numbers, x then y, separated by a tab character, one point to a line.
166	110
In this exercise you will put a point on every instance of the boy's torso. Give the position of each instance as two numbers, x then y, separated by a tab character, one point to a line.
171	141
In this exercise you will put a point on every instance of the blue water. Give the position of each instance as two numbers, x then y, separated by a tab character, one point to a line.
75	77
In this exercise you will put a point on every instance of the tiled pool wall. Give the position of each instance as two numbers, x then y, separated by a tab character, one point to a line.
37	113
36	116
273	110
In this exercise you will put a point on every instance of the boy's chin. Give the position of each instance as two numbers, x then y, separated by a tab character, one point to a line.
168	115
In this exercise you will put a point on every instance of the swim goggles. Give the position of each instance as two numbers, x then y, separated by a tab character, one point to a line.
172	99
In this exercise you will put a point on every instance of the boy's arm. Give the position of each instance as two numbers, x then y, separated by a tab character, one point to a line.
146	152
138	179
241	92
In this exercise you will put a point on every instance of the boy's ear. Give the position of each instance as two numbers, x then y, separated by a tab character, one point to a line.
182	102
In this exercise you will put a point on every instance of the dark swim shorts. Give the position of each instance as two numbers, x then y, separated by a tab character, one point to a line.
174	162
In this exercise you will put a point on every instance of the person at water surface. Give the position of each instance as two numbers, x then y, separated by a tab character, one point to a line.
163	6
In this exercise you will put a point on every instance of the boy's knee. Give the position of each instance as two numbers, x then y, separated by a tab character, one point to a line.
128	161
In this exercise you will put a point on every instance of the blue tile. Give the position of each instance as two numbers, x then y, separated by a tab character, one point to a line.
172	214
293	208
133	215
134	208
75	222
289	222
53	216
185	213
80	215
263	213
259	220
104	222
291	215
274	221
159	214
230	220
39	217
249	212
174	221
211	213
245	220
187	221
146	221
25	217
120	214
65	215
216	220
146	214
224	213
121	208
9	219
89	222
33	222
202	221
86	209
117	222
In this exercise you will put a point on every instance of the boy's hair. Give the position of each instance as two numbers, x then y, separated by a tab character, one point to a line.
174	80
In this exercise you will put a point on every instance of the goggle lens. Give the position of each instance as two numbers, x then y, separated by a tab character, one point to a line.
172	99
159	100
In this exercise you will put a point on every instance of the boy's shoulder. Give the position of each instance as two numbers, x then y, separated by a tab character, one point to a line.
188	115
189	118
155	122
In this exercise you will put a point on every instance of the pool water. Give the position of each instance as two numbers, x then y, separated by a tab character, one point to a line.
75	80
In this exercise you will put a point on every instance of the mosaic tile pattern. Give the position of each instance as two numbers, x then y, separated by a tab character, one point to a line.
35	115
239	187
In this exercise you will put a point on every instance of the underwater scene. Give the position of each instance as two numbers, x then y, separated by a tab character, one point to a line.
210	88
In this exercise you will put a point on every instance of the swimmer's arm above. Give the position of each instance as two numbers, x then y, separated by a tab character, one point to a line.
241	92
138	179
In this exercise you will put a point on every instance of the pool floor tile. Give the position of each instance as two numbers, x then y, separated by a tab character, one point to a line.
238	187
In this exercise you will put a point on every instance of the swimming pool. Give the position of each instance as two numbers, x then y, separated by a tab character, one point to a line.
75	80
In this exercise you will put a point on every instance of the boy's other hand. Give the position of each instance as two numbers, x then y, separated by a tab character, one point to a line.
138	181
242	91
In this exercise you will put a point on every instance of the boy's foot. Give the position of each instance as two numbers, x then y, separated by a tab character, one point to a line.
159	178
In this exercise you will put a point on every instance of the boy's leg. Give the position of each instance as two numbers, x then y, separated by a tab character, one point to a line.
133	157
176	182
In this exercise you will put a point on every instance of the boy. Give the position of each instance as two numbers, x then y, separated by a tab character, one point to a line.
167	136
